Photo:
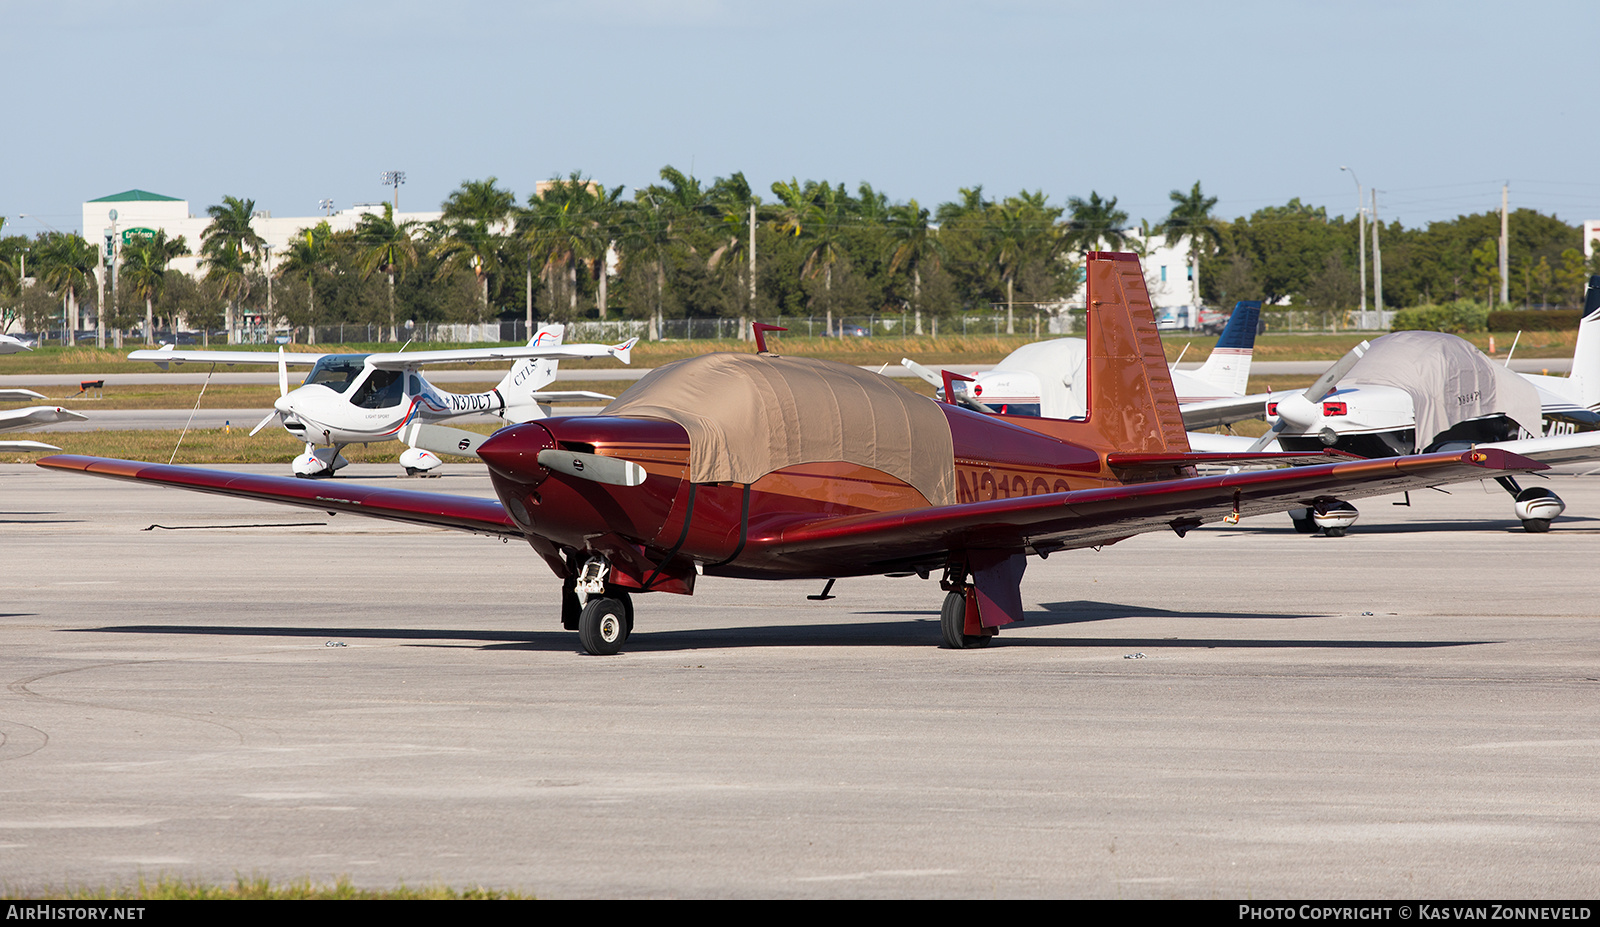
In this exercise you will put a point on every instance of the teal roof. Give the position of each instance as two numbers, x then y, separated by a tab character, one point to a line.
134	196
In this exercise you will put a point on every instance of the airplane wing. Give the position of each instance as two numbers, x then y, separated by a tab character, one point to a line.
167	354
14	419
1554	451
437	510
1091	517
27	446
406	359
1045	523
19	395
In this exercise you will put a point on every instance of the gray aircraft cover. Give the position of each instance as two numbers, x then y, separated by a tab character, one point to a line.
1449	381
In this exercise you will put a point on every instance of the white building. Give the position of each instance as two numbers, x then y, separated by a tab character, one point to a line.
1591	231
139	212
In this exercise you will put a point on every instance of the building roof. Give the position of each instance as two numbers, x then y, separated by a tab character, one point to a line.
134	196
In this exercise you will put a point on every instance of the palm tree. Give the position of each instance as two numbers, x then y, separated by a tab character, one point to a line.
1095	221
733	202
144	268
913	242
230	272
230	246
388	247
474	235
1191	216
65	265
470	244
819	214
479	201
309	256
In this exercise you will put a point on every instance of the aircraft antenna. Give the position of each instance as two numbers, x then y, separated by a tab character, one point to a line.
761	329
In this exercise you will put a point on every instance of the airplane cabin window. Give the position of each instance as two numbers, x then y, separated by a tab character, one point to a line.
383	390
337	373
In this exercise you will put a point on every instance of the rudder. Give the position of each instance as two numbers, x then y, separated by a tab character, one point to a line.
1132	405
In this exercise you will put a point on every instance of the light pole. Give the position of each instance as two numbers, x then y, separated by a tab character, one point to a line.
23	215
1361	235
326	206
393	179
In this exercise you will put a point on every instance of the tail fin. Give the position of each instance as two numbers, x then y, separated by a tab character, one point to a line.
529	376
1228	367
1132	406
1586	357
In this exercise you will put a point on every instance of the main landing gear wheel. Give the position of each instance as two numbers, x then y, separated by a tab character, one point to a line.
953	624
603	626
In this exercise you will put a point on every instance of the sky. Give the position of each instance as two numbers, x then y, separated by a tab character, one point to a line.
288	103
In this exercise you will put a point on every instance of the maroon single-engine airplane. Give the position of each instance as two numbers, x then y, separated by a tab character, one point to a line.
767	467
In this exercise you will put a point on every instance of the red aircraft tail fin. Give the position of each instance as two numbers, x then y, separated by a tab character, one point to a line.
1132	404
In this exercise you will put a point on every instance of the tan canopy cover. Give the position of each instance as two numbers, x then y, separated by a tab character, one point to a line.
748	415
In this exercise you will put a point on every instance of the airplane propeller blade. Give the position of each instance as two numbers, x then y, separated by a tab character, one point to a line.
921	371
270	416
611	470
1300	411
283	374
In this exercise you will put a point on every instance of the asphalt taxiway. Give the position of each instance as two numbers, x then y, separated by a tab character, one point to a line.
202	687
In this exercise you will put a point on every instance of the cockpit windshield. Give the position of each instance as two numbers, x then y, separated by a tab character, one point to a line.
337	371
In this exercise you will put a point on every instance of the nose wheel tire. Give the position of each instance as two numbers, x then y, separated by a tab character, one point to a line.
603	626
953	624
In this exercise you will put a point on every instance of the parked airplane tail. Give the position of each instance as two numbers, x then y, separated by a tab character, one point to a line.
1228	367
527	377
1132	406
1585	374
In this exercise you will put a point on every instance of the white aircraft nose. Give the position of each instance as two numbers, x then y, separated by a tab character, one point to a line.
282	404
1298	412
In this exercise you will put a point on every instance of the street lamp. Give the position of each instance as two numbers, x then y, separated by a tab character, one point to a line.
393	179
326	206
23	215
1361	235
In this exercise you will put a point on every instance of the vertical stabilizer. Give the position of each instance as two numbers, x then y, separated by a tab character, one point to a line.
1585	374
529	376
1132	405
1228	367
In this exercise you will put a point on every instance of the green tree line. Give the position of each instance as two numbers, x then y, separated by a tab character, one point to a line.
682	248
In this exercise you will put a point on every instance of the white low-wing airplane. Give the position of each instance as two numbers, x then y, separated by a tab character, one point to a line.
365	398
10	344
19	419
1046	378
1417	392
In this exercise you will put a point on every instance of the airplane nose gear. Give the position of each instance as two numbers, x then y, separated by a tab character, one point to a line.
603	626
606	619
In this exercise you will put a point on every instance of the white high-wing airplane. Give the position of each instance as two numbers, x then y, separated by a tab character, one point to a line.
1415	392
1046	378
19	419
365	398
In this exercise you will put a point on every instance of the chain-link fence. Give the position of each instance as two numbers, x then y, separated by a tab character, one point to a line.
982	323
